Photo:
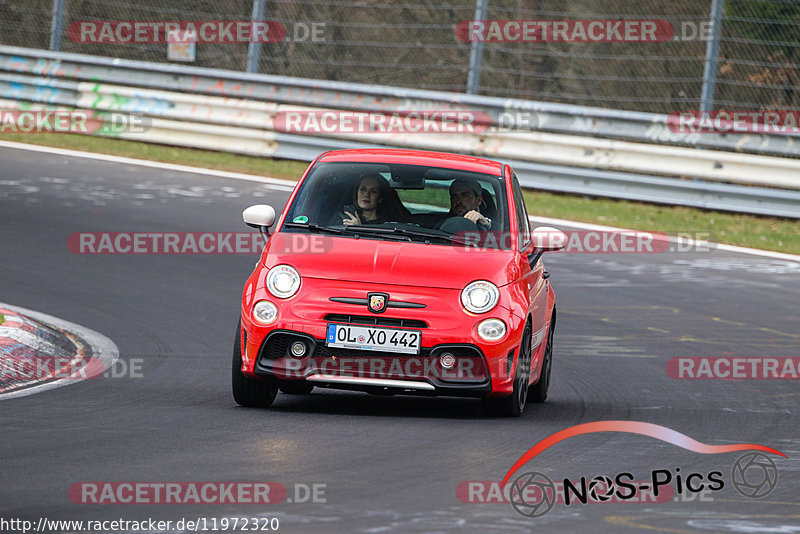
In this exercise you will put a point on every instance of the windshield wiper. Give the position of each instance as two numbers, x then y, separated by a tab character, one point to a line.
411	233
446	237
388	233
313	227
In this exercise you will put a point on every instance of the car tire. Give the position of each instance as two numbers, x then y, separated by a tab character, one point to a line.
514	404
296	387
538	392
250	392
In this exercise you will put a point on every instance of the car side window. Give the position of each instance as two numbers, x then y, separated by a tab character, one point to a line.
523	223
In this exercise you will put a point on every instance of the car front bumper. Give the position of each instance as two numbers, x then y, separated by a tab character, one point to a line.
481	368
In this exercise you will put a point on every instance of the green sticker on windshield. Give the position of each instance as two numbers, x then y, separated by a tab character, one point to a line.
300	219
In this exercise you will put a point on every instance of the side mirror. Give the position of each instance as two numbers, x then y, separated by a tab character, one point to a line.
259	216
546	239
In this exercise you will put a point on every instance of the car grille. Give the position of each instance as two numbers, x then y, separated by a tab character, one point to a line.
275	358
324	351
277	346
374	320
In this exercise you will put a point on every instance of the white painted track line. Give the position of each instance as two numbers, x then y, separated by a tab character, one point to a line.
279	183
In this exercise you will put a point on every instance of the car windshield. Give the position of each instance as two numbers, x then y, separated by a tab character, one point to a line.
401	202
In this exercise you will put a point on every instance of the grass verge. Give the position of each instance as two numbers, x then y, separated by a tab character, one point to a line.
767	233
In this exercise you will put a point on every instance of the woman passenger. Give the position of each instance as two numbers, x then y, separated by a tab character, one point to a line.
374	202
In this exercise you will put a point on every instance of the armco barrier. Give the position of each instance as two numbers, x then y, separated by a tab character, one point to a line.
184	101
544	116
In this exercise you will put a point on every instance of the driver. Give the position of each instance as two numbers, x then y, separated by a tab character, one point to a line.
466	200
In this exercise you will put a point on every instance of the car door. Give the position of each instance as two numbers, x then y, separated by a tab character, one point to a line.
533	278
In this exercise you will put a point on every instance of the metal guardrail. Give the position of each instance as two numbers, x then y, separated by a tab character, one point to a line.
182	101
542	116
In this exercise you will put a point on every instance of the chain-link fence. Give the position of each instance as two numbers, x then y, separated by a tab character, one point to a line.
418	44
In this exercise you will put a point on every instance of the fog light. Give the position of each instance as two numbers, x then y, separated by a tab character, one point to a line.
447	360
265	312
298	349
492	329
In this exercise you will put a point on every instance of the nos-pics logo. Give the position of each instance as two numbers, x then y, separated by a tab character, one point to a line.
533	494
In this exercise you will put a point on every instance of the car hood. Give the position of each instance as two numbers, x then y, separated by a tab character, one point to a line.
389	262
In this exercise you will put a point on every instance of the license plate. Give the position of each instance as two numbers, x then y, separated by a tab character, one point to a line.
348	336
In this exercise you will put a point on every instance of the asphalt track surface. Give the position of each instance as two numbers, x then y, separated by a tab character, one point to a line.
389	464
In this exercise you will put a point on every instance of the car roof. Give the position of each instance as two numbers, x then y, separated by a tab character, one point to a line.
414	157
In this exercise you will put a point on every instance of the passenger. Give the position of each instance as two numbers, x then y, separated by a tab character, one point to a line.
374	202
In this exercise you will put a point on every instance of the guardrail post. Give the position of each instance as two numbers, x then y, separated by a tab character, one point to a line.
476	52
712	56
57	25
254	48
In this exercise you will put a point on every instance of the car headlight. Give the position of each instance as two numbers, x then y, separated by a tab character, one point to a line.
283	281
265	312
480	296
492	329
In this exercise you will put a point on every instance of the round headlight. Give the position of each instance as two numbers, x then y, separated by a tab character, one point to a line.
265	312
283	281
492	330
480	296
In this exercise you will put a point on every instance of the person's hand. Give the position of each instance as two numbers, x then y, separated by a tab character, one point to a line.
477	218
353	219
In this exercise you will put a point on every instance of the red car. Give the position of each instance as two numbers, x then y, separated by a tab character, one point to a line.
399	272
